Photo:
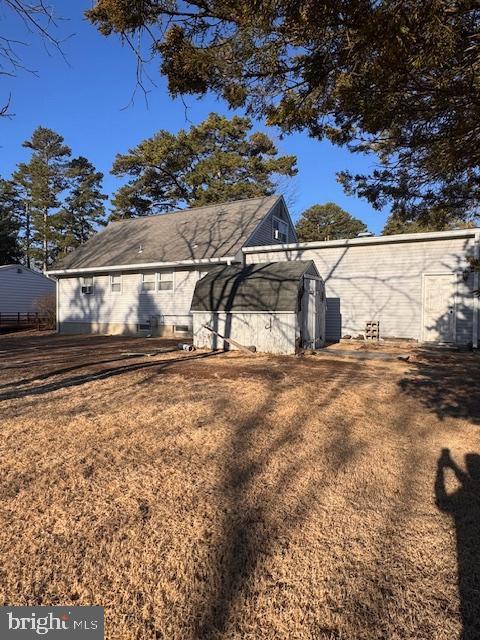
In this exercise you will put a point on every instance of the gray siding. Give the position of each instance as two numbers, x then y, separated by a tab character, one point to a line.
19	291
269	332
384	282
263	234
105	311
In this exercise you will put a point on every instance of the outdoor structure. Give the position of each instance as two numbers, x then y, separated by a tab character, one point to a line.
21	287
276	307
418	286
138	276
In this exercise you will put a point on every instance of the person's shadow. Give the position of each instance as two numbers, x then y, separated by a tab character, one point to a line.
464	507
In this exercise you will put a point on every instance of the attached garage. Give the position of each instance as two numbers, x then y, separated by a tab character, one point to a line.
277	307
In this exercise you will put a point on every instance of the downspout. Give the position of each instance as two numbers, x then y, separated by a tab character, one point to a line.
476	287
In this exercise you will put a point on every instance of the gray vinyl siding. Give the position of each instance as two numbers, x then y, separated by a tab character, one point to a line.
105	311
19	291
384	282
263	234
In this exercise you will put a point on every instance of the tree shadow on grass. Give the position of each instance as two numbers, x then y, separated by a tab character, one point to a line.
463	505
446	383
266	494
103	374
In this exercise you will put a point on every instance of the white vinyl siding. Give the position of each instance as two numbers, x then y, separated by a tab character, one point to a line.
19	291
135	306
384	282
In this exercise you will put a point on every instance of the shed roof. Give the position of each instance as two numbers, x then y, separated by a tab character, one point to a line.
269	286
200	233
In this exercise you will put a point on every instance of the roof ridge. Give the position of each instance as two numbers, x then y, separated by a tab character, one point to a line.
204	206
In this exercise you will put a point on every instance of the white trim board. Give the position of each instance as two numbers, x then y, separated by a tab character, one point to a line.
141	266
400	238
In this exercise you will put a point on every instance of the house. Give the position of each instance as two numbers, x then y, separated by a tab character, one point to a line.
418	286
276	306
140	275
21	287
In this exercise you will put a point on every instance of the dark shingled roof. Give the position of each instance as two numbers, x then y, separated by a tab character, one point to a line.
269	286
213	231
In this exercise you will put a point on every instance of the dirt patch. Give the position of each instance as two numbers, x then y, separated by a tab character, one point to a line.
202	496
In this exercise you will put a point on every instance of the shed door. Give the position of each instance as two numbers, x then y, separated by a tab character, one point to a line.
310	313
439	308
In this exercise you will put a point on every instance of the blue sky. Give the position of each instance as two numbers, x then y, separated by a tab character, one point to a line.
87	101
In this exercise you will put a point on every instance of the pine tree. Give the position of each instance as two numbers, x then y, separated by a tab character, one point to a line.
215	161
10	207
399	78
83	210
328	222
43	179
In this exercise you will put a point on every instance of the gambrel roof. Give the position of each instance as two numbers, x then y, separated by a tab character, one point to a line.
268	286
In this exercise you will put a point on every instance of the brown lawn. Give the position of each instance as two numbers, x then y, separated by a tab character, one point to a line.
200	496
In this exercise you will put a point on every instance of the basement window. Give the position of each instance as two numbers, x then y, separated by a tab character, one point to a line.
148	282
143	326
116	283
87	285
280	230
182	328
165	281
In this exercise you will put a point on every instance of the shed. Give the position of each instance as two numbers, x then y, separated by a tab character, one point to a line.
21	287
276	306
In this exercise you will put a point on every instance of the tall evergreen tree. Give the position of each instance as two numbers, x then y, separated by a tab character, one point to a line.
328	222
216	161
10	207
83	208
43	179
399	78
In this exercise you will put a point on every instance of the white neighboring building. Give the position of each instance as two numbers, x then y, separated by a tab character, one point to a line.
20	287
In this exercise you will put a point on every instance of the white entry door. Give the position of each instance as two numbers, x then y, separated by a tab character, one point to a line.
439	308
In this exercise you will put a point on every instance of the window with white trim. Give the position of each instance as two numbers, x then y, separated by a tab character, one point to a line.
87	285
116	283
165	281
148	281
280	230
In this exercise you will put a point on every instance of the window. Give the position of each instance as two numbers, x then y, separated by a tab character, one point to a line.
148	282
182	328
87	285
280	230
165	281
143	326
116	283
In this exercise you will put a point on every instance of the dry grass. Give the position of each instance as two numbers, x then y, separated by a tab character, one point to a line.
234	497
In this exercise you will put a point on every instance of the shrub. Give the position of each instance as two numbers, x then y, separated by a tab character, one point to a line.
46	306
